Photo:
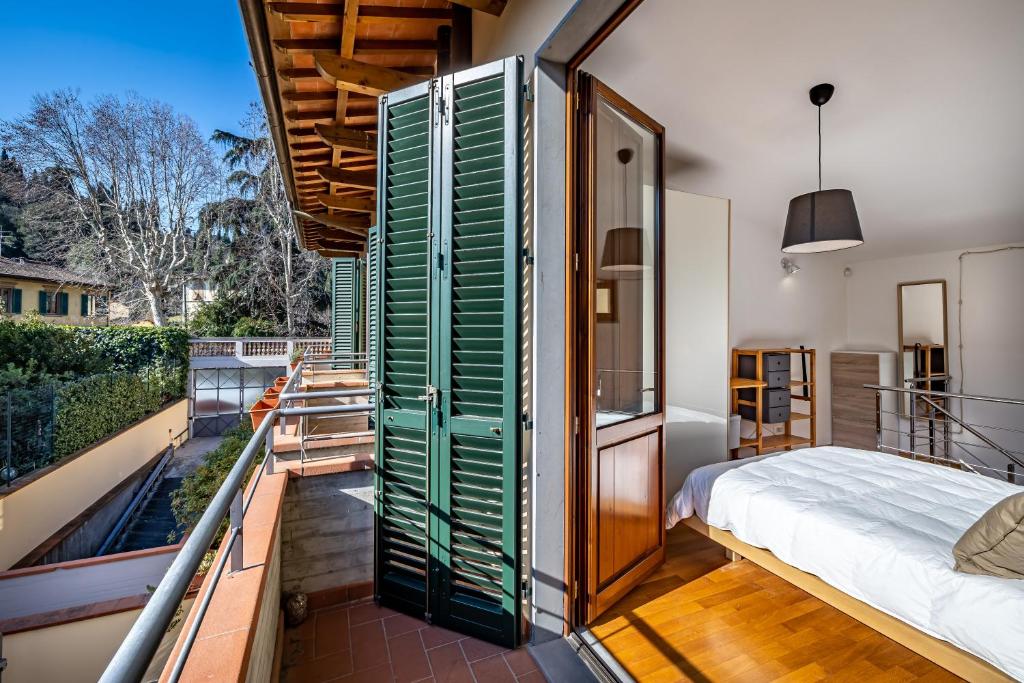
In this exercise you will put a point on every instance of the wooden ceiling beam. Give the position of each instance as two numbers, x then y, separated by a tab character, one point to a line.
310	96
364	180
352	76
316	115
318	145
329	253
362	47
356	226
297	73
332	13
495	7
360	204
347	139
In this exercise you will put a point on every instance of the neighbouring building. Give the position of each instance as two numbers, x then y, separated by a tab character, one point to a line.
57	294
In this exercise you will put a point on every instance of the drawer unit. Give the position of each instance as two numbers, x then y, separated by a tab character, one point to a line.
769	414
770	362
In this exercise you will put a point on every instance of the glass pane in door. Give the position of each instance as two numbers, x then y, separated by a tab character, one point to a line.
626	177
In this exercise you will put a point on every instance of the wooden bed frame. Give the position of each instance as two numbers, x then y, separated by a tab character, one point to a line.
946	655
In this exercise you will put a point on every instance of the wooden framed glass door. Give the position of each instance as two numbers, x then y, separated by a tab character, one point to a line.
619	346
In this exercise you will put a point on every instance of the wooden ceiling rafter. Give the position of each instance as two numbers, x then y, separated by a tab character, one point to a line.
333	59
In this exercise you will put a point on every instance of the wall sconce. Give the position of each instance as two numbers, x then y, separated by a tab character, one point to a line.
789	266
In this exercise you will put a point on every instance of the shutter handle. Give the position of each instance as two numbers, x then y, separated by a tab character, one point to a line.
496	431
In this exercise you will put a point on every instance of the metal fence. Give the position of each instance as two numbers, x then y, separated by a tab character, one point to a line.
41	424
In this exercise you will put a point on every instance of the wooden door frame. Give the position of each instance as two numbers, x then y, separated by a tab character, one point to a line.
580	436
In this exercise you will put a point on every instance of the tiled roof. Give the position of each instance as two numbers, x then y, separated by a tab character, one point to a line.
36	270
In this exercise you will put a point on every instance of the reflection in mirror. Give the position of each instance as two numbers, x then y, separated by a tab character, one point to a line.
625	215
922	336
697	360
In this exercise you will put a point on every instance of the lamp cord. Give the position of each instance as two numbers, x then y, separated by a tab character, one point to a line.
819	148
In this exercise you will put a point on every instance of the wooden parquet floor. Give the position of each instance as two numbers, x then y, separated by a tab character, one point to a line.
702	618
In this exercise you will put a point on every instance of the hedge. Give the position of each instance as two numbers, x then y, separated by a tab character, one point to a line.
93	408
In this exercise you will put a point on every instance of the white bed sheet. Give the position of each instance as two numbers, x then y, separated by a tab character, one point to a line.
877	527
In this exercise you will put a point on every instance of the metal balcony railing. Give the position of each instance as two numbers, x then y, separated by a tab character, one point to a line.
133	657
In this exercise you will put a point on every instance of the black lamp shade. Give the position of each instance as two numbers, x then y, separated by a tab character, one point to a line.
825	220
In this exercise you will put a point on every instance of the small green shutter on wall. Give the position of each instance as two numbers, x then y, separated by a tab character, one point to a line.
16	301
42	302
63	302
344	318
85	305
449	196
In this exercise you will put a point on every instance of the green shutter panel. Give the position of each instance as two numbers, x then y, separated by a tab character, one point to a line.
344	331
478	455
372	278
448	416
42	302
63	302
16	301
85	305
403	198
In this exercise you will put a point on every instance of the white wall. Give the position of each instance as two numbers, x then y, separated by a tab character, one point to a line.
696	333
769	308
520	29
993	325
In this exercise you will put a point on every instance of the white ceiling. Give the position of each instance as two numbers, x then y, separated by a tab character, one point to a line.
926	126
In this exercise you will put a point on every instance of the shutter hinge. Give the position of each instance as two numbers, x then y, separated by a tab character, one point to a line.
442	107
528	91
440	261
525	587
527	422
527	257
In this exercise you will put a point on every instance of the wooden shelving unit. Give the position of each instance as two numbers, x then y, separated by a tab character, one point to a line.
787	440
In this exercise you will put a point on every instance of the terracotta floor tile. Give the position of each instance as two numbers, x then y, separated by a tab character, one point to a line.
297	651
331	631
493	670
520	661
408	660
449	665
369	647
320	670
402	623
478	649
533	677
435	636
367	611
378	674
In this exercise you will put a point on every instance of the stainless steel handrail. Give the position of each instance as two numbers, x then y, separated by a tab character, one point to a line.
136	651
946	394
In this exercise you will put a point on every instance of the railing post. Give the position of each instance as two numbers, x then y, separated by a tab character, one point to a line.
268	450
235	517
239	348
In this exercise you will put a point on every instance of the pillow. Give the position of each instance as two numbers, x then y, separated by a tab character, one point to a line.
994	545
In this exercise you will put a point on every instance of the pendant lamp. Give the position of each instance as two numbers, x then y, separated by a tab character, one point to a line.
624	247
825	220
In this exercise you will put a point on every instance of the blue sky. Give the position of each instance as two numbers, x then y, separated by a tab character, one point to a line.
191	55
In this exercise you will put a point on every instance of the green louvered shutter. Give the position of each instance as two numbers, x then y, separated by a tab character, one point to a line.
344	317
403	217
372	278
63	300
16	301
42	303
85	305
448	417
478	454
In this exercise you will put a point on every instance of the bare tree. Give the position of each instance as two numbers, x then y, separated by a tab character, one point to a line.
283	276
131	176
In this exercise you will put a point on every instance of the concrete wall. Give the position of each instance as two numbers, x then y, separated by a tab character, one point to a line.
30	302
261	657
34	511
327	531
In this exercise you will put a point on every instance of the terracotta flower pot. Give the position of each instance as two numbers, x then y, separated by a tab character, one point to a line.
271	395
280	382
259	411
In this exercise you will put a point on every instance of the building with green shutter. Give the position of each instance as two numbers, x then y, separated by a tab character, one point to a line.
58	295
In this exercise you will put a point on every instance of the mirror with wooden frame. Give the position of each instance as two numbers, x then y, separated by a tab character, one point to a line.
923	358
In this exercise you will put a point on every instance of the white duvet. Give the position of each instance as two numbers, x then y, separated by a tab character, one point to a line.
877	527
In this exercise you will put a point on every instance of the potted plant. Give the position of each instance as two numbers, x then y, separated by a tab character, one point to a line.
271	395
296	357
280	382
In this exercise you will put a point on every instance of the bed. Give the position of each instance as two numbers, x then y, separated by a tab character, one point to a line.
876	528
